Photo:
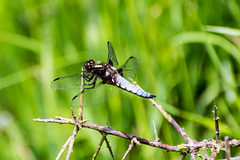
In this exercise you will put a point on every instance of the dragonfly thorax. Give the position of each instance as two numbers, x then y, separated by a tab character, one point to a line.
110	70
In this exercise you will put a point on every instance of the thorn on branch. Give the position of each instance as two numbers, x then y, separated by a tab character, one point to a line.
155	131
106	123
134	140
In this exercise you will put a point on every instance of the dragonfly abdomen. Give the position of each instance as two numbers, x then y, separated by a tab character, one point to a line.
126	85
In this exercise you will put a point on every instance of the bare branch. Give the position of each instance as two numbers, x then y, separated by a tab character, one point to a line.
111	131
73	136
60	121
134	140
228	153
63	148
205	148
99	146
179	148
193	155
108	146
213	155
77	123
216	148
192	147
172	121
216	118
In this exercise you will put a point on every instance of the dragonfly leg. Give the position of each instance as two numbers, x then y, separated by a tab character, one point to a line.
93	84
89	78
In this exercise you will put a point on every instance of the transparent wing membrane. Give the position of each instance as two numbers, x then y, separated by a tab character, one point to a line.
97	95
112	59
129	69
95	91
71	82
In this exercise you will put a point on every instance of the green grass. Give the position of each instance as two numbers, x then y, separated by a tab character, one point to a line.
188	55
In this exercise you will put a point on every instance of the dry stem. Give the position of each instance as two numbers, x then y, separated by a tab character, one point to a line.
191	147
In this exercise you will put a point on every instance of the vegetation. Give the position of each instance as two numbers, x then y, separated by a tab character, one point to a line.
188	55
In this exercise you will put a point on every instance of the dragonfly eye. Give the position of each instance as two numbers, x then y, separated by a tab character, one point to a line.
88	64
91	62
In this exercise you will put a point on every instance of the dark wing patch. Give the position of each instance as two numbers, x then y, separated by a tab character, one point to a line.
129	69
112	59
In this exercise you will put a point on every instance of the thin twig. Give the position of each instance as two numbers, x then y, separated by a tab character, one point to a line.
192	147
213	155
169	118
215	150
205	148
216	118
111	131
63	148
73	136
99	146
108	146
193	155
130	147
108	130
172	121
155	131
81	97
69	121
228	153
77	121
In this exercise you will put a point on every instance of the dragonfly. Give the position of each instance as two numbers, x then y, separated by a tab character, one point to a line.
102	80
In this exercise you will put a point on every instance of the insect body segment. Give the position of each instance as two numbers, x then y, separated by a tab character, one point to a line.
126	85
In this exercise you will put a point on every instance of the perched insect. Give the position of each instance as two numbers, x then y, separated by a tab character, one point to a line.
102	80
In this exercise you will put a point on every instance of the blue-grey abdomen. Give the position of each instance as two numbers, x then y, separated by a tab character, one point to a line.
126	85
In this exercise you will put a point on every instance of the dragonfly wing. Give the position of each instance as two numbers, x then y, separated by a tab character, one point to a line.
129	69
99	94
71	82
112	59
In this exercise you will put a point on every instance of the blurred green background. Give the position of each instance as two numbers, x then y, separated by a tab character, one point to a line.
188	55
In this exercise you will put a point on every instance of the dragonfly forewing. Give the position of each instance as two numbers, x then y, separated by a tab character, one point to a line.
71	82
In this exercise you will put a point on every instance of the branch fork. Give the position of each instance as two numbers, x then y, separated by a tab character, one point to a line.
191	147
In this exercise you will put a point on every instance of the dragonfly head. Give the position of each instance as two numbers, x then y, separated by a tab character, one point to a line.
89	65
